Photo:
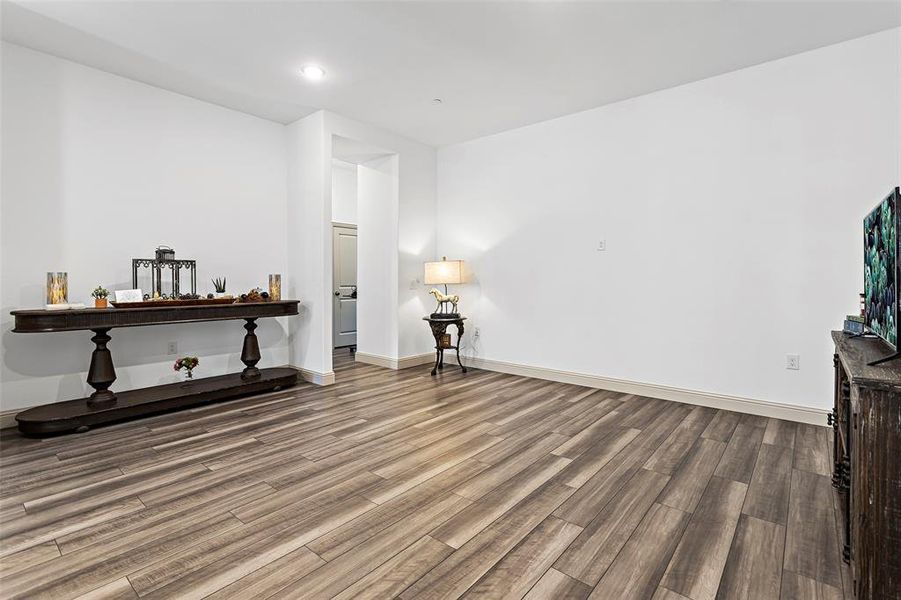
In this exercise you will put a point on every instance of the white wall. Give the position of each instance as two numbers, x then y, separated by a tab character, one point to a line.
309	233
98	169
377	257
731	209
344	192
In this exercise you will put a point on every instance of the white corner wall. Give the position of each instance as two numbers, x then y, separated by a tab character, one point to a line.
409	226
344	192
731	210
98	169
309	233
377	183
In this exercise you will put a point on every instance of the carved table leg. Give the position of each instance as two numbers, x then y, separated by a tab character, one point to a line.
437	360
101	373
459	335
458	360
250	353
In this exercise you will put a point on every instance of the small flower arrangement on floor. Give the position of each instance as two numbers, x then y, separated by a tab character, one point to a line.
188	363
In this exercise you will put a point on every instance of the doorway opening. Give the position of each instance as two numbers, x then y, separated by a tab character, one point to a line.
344	278
364	222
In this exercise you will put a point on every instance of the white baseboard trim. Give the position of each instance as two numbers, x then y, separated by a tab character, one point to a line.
789	412
317	377
8	418
394	363
801	414
375	359
414	361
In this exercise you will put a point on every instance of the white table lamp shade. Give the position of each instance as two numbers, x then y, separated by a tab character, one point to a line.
444	271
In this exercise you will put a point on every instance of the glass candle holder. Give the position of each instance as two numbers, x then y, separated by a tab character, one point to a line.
275	286
57	288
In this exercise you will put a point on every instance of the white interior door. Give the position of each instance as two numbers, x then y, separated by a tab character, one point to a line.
344	314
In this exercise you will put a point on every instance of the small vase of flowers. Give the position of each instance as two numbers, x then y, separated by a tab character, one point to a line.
100	295
187	363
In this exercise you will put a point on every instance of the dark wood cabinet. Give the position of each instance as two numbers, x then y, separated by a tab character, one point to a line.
866	420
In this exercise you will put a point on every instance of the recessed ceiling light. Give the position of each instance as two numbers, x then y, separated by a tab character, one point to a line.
312	72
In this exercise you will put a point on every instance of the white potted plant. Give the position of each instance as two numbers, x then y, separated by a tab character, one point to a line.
219	286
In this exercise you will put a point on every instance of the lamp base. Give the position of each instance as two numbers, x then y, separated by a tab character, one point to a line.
440	315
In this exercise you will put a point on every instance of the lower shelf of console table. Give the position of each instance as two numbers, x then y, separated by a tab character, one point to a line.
80	415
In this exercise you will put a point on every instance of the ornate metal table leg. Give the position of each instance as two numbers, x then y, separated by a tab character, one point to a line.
250	353
437	360
438	330
101	373
459	336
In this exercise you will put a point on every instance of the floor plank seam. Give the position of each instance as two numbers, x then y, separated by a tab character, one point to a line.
656	498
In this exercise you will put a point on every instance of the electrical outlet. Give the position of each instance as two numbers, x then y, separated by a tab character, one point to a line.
602	245
476	332
792	362
172	348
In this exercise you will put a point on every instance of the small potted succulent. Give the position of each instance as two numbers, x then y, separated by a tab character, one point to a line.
188	364
100	296
219	286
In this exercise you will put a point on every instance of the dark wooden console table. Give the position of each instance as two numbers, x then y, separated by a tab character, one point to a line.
105	406
867	425
439	330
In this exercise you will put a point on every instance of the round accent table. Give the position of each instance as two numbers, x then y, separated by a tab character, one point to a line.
443	339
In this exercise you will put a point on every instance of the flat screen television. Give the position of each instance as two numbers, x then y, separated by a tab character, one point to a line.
881	268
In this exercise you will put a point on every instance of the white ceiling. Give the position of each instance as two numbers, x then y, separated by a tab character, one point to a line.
354	151
496	65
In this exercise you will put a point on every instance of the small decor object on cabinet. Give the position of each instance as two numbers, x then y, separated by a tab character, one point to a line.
854	327
275	286
219	286
444	272
100	295
165	253
130	296
255	295
188	364
57	288
164	260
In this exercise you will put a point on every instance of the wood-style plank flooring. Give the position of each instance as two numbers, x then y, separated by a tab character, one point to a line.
395	484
